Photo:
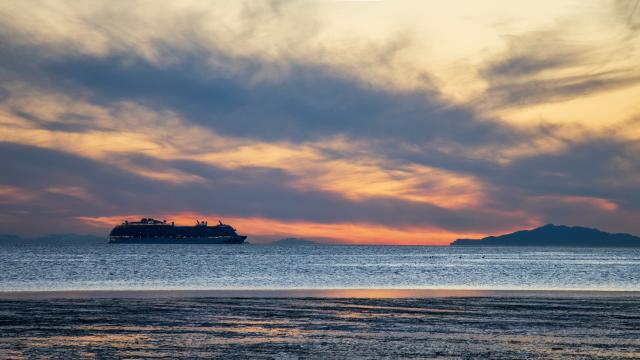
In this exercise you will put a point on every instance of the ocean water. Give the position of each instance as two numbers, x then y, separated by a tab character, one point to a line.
65	267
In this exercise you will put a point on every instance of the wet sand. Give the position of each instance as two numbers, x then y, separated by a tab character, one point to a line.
468	326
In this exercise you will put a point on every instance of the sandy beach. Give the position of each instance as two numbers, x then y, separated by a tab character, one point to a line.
497	325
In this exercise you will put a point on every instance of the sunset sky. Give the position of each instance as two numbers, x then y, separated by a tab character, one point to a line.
377	122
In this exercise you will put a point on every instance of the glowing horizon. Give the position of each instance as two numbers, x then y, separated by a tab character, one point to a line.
263	230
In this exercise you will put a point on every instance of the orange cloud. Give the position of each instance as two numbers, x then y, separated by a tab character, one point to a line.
128	128
13	194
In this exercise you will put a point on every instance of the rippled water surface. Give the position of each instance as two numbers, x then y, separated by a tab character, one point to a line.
41	267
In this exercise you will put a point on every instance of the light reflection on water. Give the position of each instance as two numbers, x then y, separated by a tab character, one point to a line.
41	267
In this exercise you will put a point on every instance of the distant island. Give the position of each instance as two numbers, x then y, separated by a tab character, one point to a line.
555	235
293	242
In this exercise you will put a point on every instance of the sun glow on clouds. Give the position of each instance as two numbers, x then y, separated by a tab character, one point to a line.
130	128
522	86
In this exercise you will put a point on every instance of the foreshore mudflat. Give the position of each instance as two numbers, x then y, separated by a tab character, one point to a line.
496	327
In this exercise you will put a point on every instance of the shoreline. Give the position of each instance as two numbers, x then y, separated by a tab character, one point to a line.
310	293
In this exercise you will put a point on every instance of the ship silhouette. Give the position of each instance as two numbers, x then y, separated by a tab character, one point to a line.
152	231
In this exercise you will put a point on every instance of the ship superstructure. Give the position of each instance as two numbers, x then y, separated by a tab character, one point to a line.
152	231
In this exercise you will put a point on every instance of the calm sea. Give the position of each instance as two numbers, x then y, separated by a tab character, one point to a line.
49	267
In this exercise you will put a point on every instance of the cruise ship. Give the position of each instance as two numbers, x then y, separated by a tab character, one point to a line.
152	231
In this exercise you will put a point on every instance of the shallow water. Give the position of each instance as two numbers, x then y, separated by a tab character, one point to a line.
49	267
285	328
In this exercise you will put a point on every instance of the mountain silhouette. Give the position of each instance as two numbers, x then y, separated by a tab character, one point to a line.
555	235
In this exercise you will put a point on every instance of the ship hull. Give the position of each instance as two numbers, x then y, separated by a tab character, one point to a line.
172	240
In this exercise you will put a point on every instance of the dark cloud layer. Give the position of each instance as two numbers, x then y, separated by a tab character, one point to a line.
600	168
309	102
248	97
